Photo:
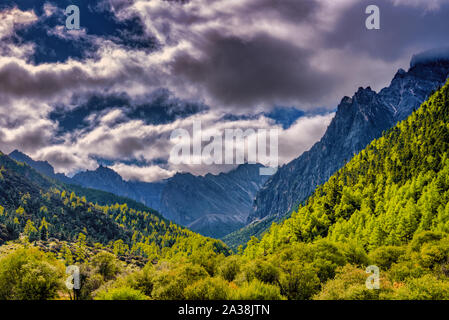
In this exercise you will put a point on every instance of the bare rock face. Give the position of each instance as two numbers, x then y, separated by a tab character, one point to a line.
187	199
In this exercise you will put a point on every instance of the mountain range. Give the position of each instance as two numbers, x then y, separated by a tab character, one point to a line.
387	207
218	205
212	205
358	120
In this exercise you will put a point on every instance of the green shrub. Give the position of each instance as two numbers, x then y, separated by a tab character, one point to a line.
230	268
170	284
299	281
208	289
89	281
30	274
262	270
350	284
326	257
143	280
384	257
257	290
406	269
121	293
355	254
427	287
433	254
106	264
424	237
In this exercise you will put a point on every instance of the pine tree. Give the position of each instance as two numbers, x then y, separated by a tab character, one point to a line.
43	230
80	248
30	231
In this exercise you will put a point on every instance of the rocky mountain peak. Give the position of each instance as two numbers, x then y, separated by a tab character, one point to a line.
107	172
42	166
400	74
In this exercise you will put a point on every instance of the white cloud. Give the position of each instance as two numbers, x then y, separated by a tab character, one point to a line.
302	135
132	139
63	33
11	19
50	9
147	174
293	29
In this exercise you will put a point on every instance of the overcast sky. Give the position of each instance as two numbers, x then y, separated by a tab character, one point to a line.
113	91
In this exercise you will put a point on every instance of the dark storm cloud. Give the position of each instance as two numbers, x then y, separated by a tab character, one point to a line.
262	70
238	61
59	81
60	159
242	62
404	30
126	147
32	140
239	70
74	117
20	81
234	56
292	10
162	107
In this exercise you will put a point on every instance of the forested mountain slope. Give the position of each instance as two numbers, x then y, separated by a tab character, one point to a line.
387	208
218	204
397	187
358	121
38	207
43	175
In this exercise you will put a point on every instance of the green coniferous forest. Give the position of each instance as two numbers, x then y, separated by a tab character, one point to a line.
388	207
